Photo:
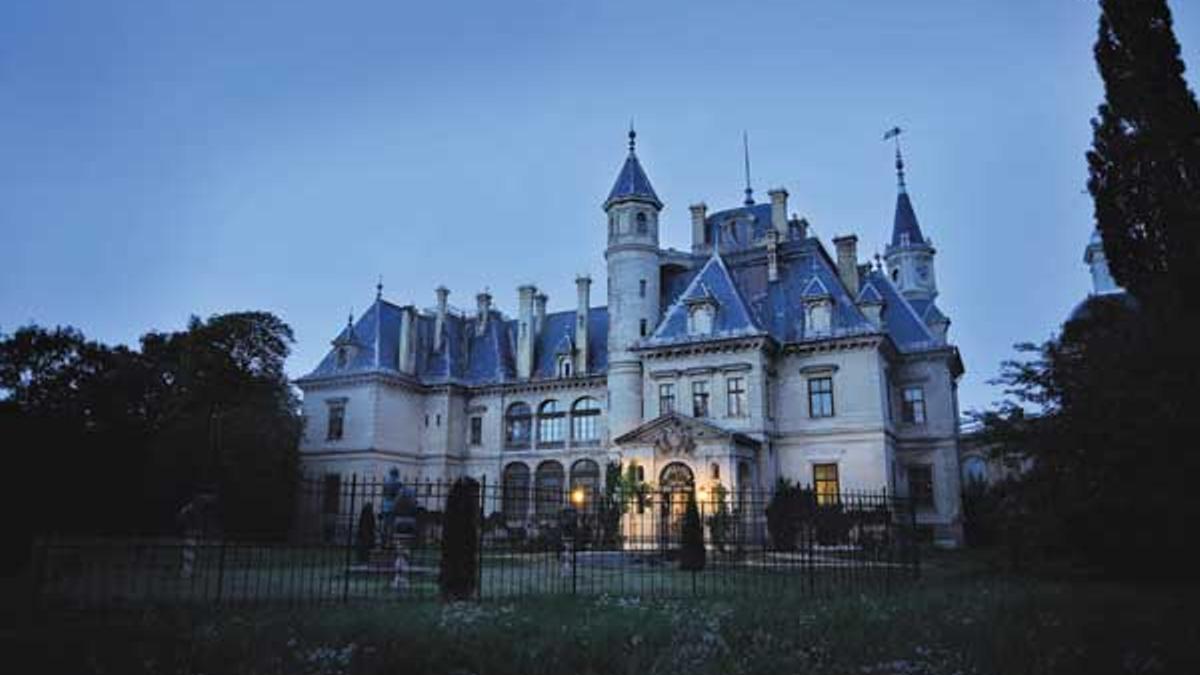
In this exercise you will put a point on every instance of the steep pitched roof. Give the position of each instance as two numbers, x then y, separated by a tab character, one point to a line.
714	284
632	183
904	225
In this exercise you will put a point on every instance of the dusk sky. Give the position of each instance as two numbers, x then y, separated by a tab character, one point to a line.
166	158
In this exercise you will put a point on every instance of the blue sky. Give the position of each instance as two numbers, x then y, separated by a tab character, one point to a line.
168	158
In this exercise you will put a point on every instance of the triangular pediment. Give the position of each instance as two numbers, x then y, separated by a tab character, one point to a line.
714	287
677	433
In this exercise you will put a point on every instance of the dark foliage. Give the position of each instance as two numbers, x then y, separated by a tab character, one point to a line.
123	439
832	525
364	537
791	506
459	574
1145	160
692	555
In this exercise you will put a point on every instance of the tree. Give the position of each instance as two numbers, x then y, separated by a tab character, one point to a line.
1145	160
459	572
692	554
365	535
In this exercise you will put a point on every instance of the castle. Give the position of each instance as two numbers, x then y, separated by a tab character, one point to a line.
756	355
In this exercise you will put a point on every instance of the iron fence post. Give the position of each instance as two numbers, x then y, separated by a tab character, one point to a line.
349	539
916	543
479	542
221	568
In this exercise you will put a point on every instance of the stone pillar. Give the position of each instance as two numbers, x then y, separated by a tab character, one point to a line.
583	287
440	325
699	213
525	330
483	311
539	314
405	358
847	262
779	219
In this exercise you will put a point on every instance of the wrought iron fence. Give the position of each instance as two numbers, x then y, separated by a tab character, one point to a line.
364	540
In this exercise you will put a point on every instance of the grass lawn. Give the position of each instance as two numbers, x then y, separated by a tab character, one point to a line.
958	619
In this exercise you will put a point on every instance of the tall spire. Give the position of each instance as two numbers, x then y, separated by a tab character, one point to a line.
632	183
895	132
905	230
379	288
749	200
632	136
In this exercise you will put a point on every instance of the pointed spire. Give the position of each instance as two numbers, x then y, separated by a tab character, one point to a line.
632	182
894	133
749	200
905	230
379	288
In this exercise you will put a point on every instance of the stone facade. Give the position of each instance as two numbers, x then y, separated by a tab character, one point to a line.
753	357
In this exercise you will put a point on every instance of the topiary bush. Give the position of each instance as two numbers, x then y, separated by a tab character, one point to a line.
692	554
365	537
790	508
459	572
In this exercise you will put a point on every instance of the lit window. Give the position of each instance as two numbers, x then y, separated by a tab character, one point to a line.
700	398
666	398
820	397
585	414
825	483
735	396
920	484
337	422
914	405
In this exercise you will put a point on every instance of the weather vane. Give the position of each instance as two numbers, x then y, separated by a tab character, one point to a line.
895	132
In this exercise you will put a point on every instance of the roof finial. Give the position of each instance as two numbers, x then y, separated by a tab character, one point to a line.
379	288
749	201
632	136
895	132
350	319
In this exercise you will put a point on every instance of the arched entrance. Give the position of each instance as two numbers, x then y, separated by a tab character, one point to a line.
675	482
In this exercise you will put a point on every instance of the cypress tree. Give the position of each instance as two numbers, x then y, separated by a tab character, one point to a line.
1144	166
459	571
692	554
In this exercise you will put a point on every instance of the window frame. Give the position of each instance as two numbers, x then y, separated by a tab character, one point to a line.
737	396
820	389
335	422
700	403
822	484
666	392
475	431
518	427
551	423
912	410
585	421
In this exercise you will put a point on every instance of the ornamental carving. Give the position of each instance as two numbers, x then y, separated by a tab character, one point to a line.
675	439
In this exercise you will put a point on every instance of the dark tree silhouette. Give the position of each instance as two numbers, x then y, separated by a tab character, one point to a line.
1145	159
459	573
692	555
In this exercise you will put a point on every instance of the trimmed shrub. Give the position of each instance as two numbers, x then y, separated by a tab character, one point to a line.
692	555
365	537
790	508
459	573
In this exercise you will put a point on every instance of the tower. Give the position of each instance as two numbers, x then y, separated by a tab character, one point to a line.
909	257
1093	256
633	286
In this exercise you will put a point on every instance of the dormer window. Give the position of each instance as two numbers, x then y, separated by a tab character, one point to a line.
700	319
341	358
817	316
564	366
641	222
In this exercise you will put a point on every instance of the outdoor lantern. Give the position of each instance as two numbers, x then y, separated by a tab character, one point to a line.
577	496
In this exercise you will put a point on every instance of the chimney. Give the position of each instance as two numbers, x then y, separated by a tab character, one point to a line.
779	211
539	313
440	325
583	287
404	359
699	213
800	225
483	305
847	262
525	330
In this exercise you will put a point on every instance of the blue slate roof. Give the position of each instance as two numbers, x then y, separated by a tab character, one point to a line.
632	183
903	324
905	222
738	229
711	284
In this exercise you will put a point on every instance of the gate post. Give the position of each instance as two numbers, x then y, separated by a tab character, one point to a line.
351	521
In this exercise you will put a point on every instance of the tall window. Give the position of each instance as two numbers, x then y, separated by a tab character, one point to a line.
920	484
641	223
586	474
641	288
825	483
666	398
820	397
585	415
549	488
477	430
642	327
914	405
337	421
550	423
735	396
515	495
517	425
700	398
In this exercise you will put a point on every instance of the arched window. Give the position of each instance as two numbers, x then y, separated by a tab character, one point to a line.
585	414
548	498
515	502
585	476
517	425
641	223
550	423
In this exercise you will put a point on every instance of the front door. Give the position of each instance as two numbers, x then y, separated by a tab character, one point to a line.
676	483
